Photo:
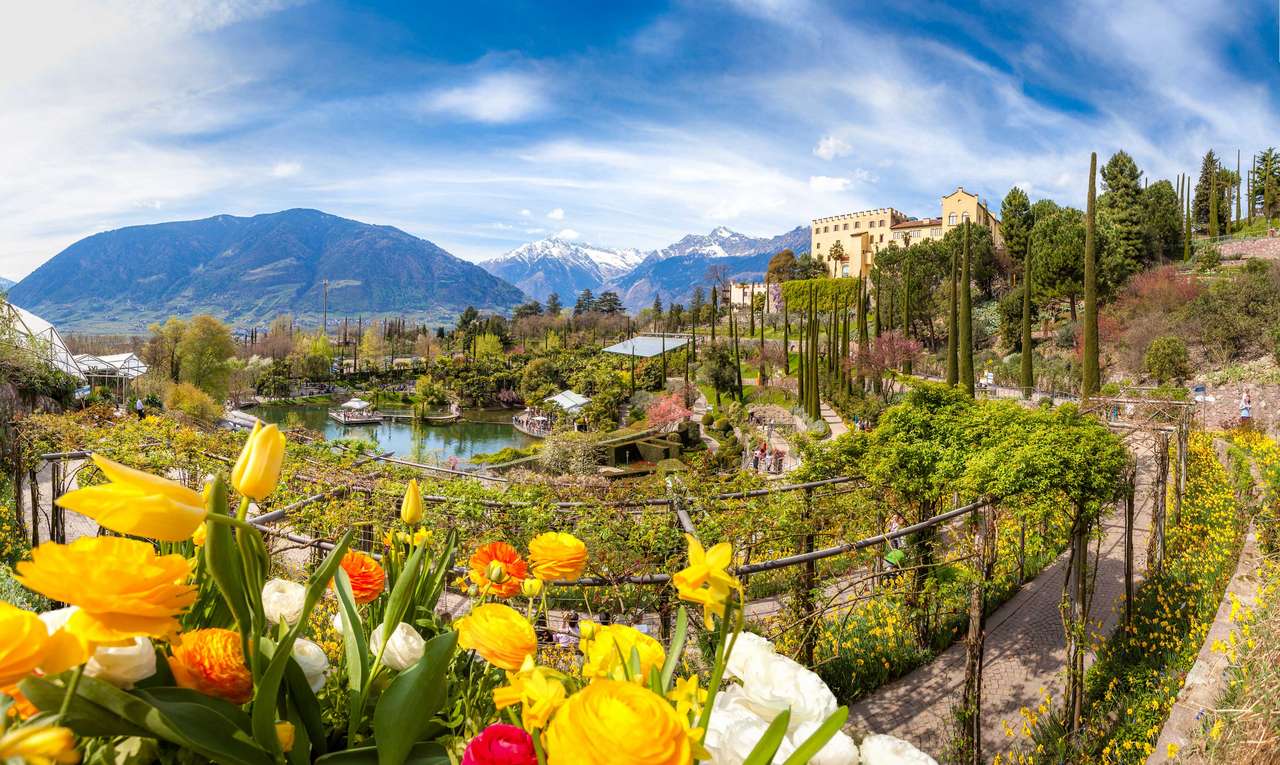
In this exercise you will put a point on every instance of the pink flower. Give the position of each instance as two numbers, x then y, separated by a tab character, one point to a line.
500	745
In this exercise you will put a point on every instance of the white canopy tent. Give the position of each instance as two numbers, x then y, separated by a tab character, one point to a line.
36	338
357	405
568	400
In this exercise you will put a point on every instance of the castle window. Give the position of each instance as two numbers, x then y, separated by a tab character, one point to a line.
951	219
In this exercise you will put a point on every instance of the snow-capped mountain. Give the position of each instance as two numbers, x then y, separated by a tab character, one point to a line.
720	243
561	266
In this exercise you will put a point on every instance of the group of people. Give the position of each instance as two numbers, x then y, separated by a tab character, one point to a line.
764	458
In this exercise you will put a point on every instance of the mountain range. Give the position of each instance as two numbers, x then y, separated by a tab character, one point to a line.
249	269
670	273
6	283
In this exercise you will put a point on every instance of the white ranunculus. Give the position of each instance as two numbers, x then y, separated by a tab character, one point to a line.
282	601
883	749
403	649
774	683
337	622
122	666
840	750
735	729
312	660
748	649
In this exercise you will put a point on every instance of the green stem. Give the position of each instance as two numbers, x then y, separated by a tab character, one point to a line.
72	685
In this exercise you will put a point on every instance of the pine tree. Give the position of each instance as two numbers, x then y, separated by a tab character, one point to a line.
1090	382
965	318
1028	381
1015	225
1121	207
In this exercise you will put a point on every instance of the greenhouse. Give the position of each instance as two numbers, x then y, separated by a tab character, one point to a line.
36	338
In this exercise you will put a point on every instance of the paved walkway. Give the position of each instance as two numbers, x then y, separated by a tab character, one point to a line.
1024	652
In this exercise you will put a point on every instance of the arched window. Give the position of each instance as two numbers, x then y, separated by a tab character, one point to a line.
951	219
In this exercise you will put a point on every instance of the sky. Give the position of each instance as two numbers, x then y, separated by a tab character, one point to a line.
483	125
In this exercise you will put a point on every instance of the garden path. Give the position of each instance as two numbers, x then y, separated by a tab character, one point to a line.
1024	652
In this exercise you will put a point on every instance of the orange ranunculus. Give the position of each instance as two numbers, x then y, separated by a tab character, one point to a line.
211	661
22	707
366	576
124	590
497	569
499	634
599	725
557	555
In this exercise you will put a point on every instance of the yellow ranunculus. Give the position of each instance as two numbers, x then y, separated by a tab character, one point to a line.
498	633
538	690
614	723
411	505
138	503
25	645
606	651
39	745
706	580
557	555
258	469
123	588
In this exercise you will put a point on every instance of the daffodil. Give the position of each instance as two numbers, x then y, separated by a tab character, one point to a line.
538	690
411	505
687	695
39	745
706	580
257	470
138	503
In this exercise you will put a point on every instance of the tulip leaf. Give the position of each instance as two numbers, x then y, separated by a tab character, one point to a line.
266	695
768	744
83	716
175	695
425	753
406	707
678	636
430	589
402	592
222	556
353	639
305	706
204	723
819	738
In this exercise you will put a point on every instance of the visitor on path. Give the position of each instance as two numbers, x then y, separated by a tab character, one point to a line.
569	637
139	408
896	522
1246	407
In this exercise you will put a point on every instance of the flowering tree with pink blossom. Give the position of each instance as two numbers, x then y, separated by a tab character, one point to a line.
667	410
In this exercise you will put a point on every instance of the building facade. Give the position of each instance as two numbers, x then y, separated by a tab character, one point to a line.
863	234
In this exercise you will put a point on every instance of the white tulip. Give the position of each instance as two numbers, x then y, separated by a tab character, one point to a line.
749	649
840	750
122	666
403	649
282	601
735	729
311	658
883	749
337	622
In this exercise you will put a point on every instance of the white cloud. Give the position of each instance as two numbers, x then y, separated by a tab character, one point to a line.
556	214
285	169
827	183
526	213
831	147
493	98
566	233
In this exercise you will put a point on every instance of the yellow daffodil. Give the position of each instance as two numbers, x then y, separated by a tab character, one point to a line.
39	745
706	580
137	503
687	695
122	587
411	505
258	469
538	690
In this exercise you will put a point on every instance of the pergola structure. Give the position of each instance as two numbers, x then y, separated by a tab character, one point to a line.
32	336
646	347
116	369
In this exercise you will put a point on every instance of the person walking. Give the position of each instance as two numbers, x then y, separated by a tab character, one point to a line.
1246	408
139	408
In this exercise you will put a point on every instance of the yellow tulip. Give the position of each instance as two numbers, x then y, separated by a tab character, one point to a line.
531	587
138	503
285	734
411	505
39	745
258	469
26	645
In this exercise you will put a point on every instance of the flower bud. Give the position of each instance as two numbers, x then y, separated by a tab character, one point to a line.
496	572
411	505
284	734
531	587
257	470
403	650
282	601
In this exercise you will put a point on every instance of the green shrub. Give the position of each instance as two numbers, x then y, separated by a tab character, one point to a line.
708	418
1207	258
193	402
722	425
1167	359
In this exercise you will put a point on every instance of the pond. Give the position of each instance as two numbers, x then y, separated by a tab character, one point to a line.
481	432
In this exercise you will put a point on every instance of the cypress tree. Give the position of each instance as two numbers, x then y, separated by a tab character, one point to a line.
862	332
1249	186
906	308
715	311
1089	385
737	357
762	368
1213	205
965	318
1186	219
1028	381
786	340
1239	181
953	326
877	384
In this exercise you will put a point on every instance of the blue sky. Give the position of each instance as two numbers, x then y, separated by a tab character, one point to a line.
483	125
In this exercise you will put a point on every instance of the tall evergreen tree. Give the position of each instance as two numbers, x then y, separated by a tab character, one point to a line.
966	316
906	305
1213	207
1091	372
1015	225
1028	381
1239	181
1208	192
953	322
1161	222
553	304
1120	208
1186	219
586	302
